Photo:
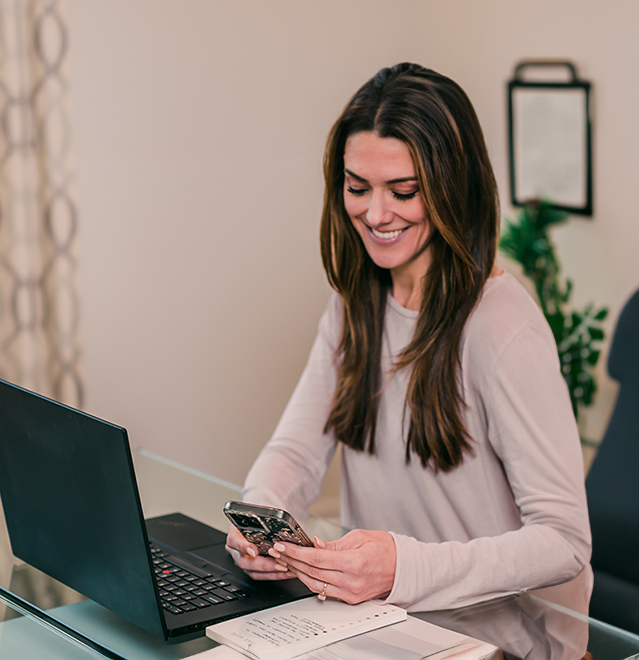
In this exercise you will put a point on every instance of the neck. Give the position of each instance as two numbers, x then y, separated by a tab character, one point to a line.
408	287
408	280
408	296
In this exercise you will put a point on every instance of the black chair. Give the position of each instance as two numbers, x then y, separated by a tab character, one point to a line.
613	487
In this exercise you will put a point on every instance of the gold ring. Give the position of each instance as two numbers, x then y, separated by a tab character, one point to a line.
322	596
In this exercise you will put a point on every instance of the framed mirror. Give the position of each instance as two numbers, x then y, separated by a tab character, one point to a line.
550	137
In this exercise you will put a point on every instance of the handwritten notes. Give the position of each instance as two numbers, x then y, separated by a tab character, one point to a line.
295	628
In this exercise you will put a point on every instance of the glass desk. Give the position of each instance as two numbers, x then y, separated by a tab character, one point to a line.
41	618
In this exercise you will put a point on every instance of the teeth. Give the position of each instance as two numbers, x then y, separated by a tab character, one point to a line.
387	235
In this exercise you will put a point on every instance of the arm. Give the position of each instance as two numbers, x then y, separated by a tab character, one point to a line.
288	472
532	430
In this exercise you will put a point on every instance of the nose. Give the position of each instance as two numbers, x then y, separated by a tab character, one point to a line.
378	212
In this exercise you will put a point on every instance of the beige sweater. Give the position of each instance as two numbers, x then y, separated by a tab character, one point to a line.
512	517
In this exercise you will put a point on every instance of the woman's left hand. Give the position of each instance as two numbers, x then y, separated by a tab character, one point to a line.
358	567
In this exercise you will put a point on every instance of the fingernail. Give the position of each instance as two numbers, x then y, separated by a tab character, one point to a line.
318	542
281	567
251	552
274	553
279	547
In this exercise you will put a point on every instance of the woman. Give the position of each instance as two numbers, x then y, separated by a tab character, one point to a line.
461	465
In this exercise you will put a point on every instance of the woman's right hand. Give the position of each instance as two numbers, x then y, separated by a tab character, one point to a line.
255	566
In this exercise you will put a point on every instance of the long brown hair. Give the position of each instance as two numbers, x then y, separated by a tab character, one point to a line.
433	116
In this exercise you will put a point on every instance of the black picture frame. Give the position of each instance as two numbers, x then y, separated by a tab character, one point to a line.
550	139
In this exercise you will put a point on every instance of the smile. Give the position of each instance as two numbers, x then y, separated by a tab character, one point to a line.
387	235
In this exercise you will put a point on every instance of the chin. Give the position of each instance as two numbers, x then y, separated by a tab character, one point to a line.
387	261
382	263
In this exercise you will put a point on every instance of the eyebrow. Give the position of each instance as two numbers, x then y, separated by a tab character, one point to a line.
392	181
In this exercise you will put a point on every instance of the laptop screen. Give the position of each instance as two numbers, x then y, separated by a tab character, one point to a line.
71	504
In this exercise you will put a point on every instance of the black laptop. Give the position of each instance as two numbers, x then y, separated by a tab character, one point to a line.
73	510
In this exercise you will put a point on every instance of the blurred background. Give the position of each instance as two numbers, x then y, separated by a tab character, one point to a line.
193	139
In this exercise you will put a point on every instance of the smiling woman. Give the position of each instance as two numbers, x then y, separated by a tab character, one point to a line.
414	128
437	373
382	199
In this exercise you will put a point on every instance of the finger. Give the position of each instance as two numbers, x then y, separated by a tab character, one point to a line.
255	564
328	589
351	540
319	543
235	540
318	574
270	576
331	590
327	559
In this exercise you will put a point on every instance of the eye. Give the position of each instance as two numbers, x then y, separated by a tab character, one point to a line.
404	197
356	191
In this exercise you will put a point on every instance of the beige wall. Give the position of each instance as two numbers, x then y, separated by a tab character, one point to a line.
199	129
479	44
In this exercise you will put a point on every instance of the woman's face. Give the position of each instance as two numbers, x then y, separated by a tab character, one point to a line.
383	201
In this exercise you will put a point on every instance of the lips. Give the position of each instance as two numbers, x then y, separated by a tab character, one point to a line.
386	235
386	238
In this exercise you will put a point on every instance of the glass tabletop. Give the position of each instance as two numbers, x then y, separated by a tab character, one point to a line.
42	618
23	635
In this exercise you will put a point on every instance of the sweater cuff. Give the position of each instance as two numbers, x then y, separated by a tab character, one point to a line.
410	576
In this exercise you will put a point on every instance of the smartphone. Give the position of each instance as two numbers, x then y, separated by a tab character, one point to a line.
265	526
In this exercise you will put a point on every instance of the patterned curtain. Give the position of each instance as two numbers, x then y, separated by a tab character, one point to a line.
39	314
39	319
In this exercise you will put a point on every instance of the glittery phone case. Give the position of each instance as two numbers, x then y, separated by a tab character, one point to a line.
264	526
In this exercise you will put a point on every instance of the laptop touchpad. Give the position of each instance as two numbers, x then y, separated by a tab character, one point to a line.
183	533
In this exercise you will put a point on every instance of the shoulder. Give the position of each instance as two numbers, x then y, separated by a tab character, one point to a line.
505	317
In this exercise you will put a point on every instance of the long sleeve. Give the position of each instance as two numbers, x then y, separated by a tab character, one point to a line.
510	518
522	403
288	472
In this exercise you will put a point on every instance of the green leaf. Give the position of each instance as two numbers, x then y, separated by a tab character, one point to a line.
568	291
546	215
593	358
556	322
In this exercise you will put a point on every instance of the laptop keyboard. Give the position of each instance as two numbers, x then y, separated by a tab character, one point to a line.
183	590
